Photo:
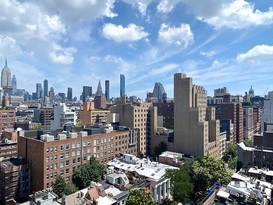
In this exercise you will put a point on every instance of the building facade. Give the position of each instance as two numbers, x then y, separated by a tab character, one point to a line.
7	119
196	131
15	179
122	85
107	90
43	116
87	92
69	94
63	154
8	150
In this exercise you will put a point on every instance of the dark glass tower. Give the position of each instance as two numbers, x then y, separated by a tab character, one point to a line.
39	90
122	85
69	94
86	92
45	87
107	90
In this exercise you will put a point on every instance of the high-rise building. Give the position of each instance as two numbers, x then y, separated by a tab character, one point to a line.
14	85
45	87
159	92
142	116
107	90
89	115
39	90
69	94
122	85
99	90
100	102
6	78
196	132
87	92
51	94
251	92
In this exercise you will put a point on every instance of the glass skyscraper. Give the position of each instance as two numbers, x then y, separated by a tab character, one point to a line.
45	87
122	85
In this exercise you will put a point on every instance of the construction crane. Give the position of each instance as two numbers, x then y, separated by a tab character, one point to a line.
266	90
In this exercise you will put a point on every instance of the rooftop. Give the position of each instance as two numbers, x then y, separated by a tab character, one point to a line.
143	167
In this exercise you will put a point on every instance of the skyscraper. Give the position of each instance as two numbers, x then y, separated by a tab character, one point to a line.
14	84
107	90
45	87
122	85
196	132
39	90
86	92
99	90
69	94
6	76
159	91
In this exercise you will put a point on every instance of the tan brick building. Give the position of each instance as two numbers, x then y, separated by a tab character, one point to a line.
90	115
142	116
62	155
8	150
196	131
7	119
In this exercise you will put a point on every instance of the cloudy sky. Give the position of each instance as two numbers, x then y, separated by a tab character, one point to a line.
74	43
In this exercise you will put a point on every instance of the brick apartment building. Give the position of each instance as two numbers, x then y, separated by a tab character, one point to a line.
8	150
15	179
7	119
43	116
64	153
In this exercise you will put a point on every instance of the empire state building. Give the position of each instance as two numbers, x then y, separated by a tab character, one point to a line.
6	77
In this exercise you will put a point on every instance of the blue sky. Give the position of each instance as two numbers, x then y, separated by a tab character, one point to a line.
74	43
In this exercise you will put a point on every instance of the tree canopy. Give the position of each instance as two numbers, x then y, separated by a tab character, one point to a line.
140	197
61	187
91	171
161	147
181	186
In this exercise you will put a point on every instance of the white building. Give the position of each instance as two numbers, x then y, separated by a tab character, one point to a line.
62	116
267	113
153	172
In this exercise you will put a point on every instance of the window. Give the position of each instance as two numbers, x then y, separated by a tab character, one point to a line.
61	164
74	161
83	143
88	143
84	158
78	152
62	172
61	155
73	145
67	146
62	147
74	153
67	163
78	159
47	149
79	144
66	154
55	149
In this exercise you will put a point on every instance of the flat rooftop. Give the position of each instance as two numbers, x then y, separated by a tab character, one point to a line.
144	167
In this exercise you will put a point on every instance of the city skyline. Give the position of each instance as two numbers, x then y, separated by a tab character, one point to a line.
218	43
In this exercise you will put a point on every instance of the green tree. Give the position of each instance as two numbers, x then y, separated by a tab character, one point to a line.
181	186
161	147
248	142
168	201
205	171
232	150
91	171
140	197
59	185
232	164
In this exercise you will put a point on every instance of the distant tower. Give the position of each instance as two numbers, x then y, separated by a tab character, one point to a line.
14	85
122	85
6	78
86	92
69	94
99	90
251	92
107	90
45	87
159	91
39	90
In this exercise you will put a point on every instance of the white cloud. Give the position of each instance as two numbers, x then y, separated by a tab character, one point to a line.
163	69
236	14
62	55
256	52
207	54
119	33
166	6
181	36
140	4
72	12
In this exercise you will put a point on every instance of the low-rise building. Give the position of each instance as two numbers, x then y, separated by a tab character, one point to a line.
151	172
63	153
